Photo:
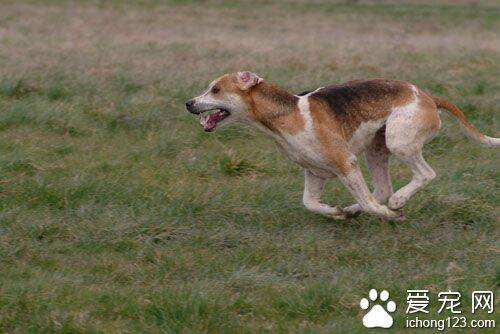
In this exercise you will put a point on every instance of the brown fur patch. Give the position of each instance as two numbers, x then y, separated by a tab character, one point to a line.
276	109
428	112
355	102
227	83
329	133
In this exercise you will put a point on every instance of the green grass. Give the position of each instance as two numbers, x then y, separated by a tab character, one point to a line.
119	214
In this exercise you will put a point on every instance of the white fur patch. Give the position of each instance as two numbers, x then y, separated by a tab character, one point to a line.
314	91
303	146
415	90
364	135
398	119
305	112
491	141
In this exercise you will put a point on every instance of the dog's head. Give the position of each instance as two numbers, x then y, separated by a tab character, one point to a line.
229	98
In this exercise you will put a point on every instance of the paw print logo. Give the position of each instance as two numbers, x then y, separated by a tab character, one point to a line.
378	315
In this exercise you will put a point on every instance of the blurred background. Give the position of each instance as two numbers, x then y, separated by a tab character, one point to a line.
119	214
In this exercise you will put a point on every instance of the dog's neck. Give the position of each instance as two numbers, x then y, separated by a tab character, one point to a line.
270	104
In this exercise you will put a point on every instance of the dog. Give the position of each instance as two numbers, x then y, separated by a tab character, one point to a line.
325	130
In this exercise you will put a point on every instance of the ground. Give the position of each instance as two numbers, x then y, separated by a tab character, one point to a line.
119	214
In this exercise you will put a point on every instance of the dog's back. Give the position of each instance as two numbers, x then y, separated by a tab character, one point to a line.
355	102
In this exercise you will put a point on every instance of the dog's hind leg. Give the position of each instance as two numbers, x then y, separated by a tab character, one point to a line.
313	186
407	130
377	158
422	174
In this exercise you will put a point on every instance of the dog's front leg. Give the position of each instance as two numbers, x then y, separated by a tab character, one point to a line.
377	159
356	185
313	186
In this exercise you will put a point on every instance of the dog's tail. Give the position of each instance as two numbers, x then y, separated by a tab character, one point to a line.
469	129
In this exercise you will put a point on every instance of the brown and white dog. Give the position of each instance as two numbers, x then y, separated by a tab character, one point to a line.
325	130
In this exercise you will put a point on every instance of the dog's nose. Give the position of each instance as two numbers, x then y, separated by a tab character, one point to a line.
189	105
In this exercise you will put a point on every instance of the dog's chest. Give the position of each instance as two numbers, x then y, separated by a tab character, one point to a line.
302	148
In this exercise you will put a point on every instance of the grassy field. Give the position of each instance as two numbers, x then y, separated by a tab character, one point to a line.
119	214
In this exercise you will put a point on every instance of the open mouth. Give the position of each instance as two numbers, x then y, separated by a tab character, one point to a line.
210	121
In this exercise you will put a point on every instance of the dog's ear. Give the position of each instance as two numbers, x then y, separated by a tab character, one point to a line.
245	80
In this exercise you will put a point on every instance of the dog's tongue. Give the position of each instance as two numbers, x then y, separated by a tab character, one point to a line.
210	121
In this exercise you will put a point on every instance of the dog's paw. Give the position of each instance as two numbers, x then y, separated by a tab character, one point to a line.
339	217
338	214
352	211
396	202
398	216
386	213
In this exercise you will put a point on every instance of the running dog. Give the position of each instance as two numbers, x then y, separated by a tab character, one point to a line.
325	130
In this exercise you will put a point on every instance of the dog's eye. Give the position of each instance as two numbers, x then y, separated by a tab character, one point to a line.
215	89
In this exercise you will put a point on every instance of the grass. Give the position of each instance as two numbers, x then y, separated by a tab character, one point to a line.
119	214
